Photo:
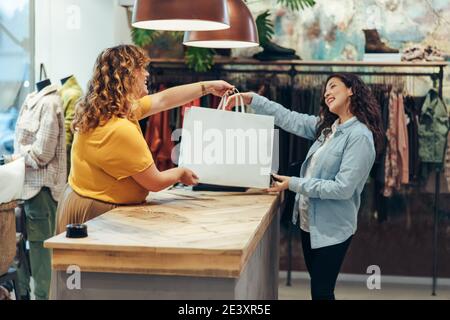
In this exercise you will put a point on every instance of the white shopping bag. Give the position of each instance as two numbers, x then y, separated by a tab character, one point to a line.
12	178
228	148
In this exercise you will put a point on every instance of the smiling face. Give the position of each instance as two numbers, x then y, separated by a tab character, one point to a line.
337	96
141	79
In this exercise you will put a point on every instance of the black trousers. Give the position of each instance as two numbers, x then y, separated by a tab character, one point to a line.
323	266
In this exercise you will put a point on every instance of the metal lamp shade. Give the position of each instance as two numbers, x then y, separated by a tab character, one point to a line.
181	15
241	34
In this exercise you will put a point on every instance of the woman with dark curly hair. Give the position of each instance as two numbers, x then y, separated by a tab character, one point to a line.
111	164
348	134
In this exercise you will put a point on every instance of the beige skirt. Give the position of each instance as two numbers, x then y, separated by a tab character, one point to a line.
73	208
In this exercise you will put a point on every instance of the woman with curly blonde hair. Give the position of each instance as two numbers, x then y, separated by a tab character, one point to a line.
111	164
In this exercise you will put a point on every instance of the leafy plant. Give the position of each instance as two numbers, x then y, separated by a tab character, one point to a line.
143	37
265	28
199	59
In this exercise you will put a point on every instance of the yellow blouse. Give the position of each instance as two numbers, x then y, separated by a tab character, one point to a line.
104	159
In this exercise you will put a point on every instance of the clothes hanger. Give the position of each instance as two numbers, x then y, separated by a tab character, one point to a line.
64	80
42	83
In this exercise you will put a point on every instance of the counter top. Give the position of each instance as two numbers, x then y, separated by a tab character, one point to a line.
178	232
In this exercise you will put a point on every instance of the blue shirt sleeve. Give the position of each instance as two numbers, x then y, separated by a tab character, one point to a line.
300	124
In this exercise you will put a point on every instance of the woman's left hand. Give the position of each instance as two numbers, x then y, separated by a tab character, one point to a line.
217	87
281	183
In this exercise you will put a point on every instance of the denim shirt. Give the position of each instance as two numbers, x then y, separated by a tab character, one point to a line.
335	186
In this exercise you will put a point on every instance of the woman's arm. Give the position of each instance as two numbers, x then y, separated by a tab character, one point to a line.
153	180
180	95
300	124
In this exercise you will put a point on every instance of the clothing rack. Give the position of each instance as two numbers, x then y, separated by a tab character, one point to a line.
292	68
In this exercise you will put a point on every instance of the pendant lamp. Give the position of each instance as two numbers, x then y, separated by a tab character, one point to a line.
241	34
181	15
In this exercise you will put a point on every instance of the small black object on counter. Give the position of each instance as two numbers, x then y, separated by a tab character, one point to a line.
76	230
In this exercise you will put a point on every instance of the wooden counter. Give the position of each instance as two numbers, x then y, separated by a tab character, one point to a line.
207	237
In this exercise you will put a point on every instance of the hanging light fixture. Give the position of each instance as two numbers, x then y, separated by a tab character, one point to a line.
242	32
181	15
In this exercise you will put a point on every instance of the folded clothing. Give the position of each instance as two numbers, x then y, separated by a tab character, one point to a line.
12	174
422	53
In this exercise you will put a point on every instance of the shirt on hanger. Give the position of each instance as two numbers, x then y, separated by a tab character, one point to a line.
70	93
40	138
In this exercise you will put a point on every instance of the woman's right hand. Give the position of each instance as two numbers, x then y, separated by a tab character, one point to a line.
232	101
188	177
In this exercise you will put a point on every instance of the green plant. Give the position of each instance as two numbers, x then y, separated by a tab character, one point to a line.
201	59
143	37
265	27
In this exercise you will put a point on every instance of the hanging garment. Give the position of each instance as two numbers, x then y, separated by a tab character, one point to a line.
159	138
397	149
433	128
447	162
214	102
70	93
403	148
382	94
195	103
40	139
413	137
391	161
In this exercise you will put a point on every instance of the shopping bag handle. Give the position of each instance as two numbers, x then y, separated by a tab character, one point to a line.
238	98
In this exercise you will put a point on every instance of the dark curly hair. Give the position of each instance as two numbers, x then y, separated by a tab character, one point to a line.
363	105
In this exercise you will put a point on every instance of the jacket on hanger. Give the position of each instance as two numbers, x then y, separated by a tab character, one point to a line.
433	128
70	93
40	139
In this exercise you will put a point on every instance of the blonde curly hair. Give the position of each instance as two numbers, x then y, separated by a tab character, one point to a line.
112	89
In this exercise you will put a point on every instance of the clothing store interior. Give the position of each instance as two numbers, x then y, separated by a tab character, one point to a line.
116	117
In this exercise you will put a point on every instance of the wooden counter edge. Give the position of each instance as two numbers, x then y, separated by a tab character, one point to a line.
227	263
227	266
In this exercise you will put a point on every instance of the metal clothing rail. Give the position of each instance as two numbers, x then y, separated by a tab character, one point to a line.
292	68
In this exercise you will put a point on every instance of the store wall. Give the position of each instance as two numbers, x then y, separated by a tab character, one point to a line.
71	33
332	30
